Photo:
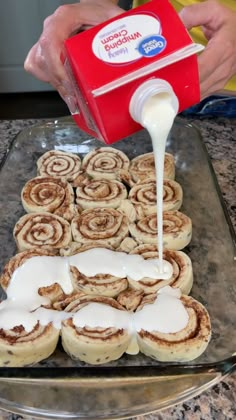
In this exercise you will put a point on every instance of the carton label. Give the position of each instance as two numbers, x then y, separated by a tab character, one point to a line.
128	39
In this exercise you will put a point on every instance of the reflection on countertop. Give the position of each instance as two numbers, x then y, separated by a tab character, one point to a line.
219	135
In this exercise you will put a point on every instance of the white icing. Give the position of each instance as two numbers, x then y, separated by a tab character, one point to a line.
166	315
45	316
119	264
38	272
99	315
13	316
158	117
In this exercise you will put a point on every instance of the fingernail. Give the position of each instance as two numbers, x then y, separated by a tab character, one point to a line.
71	103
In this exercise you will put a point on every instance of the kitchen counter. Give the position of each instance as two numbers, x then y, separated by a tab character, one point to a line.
219	135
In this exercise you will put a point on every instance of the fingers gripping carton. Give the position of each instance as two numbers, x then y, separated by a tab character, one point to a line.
110	61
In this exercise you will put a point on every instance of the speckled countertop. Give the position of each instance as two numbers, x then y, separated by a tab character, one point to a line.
219	402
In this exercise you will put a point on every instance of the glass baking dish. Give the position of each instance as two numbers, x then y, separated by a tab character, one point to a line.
61	388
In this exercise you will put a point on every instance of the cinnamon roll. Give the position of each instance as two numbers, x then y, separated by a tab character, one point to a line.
19	259
60	165
100	284
182	277
103	225
130	299
177	230
98	331
48	194
143	167
143	196
21	348
181	346
105	163
41	230
101	193
76	248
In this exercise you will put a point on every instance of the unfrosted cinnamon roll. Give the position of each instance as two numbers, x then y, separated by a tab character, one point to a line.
19	259
182	277
143	196
103	225
60	165
177	230
181	346
21	348
48	194
101	193
41	230
105	163
143	167
100	284
172	195
76	247
98	331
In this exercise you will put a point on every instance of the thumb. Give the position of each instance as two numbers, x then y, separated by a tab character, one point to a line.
198	14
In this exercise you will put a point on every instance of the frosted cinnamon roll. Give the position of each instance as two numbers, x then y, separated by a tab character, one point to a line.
177	230
21	348
98	331
182	277
100	284
143	167
60	165
183	345
101	193
41	230
105	163
103	225
19	259
48	194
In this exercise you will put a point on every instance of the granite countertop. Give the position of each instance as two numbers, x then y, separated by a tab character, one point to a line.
218	403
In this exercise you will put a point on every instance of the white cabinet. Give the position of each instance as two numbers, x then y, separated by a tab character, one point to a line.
21	24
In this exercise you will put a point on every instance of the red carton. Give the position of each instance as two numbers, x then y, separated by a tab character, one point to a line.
108	62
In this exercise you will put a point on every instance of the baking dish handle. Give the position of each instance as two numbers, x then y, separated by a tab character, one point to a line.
98	394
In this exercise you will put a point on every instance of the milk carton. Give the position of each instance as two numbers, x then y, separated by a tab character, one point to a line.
109	62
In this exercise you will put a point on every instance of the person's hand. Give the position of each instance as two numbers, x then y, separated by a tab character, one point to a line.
44	59
217	63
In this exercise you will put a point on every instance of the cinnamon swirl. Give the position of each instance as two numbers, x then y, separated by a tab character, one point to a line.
21	348
60	165
48	194
101	193
143	196
181	346
105	163
42	230
182	277
177	230
76	248
86	339
143	167
104	225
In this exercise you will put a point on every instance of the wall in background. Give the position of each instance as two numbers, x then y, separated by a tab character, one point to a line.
21	24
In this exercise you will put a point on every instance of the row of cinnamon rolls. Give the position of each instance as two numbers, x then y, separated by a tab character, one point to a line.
98	345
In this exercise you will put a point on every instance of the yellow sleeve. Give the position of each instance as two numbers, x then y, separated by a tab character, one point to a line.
196	33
